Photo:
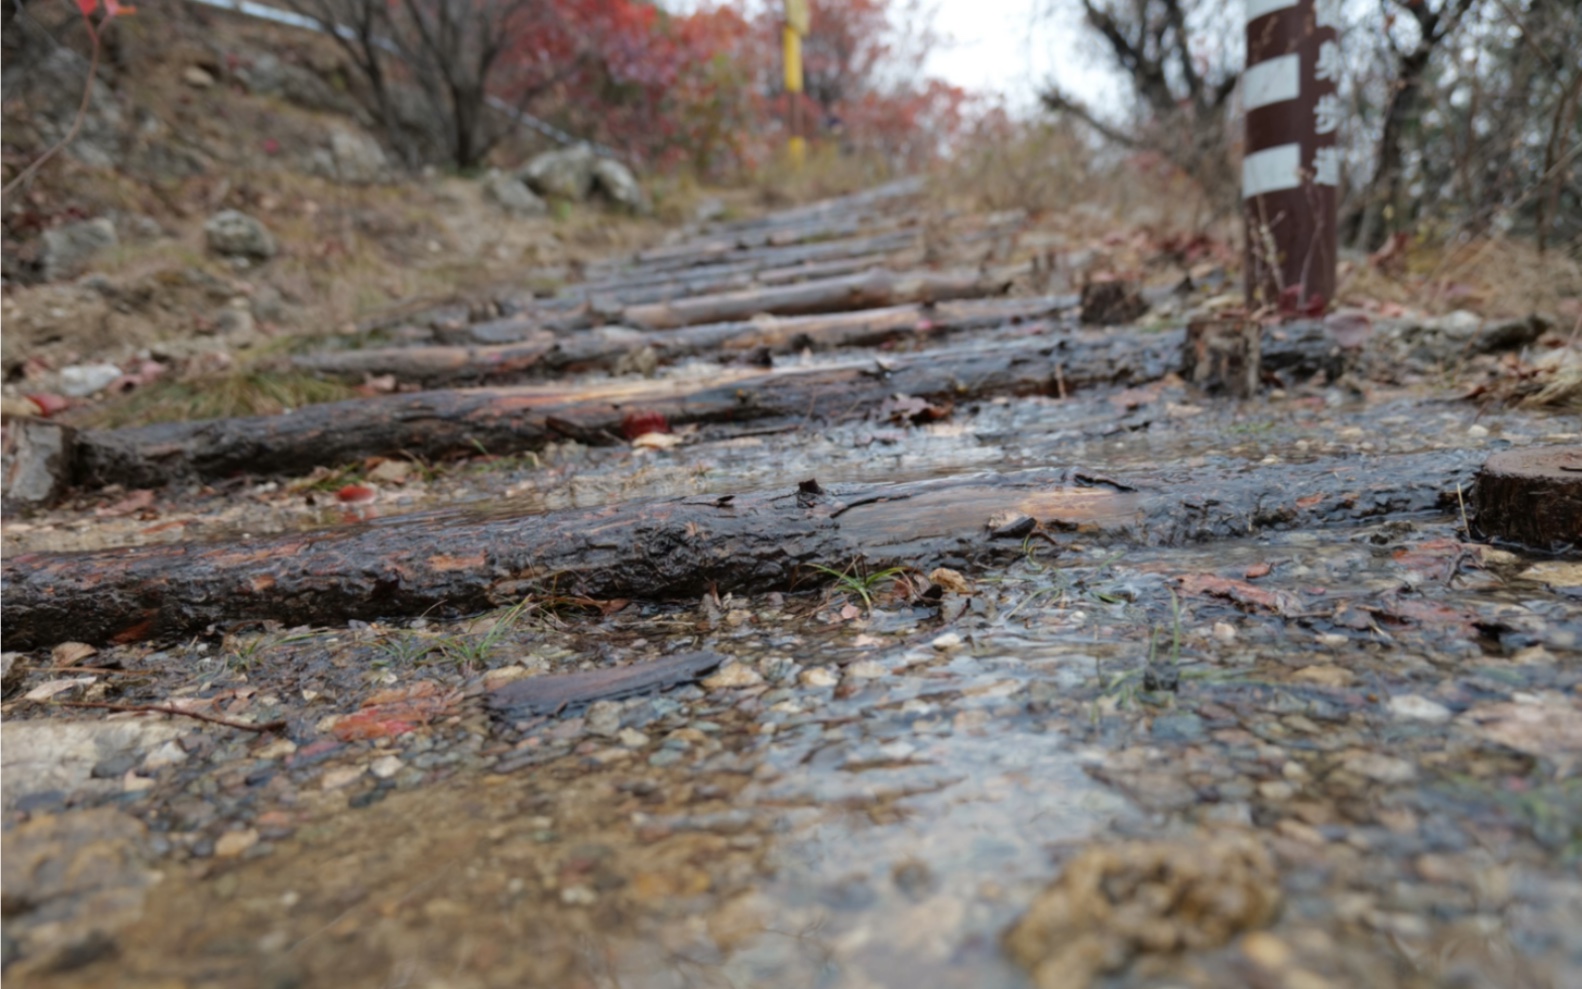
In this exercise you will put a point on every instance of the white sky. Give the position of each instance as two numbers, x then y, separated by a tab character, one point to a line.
1009	48
1013	47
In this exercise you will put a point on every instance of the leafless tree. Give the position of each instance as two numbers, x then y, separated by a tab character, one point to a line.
447	56
1182	101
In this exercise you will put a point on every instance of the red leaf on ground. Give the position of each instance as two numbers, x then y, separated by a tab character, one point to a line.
1242	594
636	424
49	404
395	712
356	494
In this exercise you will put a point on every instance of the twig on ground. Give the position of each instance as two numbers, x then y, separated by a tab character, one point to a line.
161	709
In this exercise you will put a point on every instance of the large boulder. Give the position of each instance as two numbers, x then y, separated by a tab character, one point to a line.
567	174
235	234
69	248
516	198
617	182
359	160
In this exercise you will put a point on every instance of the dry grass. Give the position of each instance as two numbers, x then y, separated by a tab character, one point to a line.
1493	277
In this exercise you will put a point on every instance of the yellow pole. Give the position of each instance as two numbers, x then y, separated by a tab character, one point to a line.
796	26
797	146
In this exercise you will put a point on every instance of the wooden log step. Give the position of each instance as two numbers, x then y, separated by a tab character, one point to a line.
868	290
437	424
602	348
450	562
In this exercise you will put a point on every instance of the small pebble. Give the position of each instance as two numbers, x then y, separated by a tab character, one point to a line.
386	766
1415	707
950	640
866	670
1265	950
817	676
733	676
340	776
233	843
632	738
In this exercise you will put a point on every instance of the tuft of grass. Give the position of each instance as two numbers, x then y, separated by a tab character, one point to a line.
858	582
471	653
242	393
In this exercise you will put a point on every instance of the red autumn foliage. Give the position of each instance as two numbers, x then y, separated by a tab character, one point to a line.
706	89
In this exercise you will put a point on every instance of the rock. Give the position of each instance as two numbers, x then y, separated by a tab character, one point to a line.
71	882
1379	767
867	669
234	843
1415	707
359	159
603	718
51	87
82	380
68	248
235	234
197	77
733	676
947	642
515	197
817	676
40	756
632	738
1112	903
385	766
340	776
567	173
167	754
1325	675
36	463
619	185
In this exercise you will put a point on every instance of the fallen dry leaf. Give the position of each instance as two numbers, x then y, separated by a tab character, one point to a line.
1239	592
45	691
71	653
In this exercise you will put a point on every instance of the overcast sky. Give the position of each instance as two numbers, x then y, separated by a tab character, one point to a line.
1012	47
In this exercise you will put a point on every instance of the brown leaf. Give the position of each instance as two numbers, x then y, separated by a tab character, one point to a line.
1243	594
71	653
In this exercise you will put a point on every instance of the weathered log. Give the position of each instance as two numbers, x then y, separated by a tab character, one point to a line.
1532	496
724	254
869	290
454	562
605	346
437	424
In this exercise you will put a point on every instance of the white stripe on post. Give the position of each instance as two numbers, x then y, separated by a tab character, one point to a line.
1257	8
1271	170
1275	81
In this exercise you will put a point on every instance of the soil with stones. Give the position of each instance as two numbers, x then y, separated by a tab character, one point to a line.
961	647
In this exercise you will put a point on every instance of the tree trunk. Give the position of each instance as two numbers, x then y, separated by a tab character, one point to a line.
450	562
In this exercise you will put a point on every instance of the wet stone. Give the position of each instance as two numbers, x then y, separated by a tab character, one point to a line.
1178	728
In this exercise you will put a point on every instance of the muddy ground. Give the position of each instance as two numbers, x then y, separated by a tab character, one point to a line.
1332	755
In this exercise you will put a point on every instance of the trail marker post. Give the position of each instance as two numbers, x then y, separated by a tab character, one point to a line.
1292	165
797	21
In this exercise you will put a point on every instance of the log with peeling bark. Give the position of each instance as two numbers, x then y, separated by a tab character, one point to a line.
436	424
603	348
450	562
869	290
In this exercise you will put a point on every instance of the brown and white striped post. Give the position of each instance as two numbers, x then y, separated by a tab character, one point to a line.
1292	165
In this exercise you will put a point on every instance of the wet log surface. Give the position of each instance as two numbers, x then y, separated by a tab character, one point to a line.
436	424
454	563
603	348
